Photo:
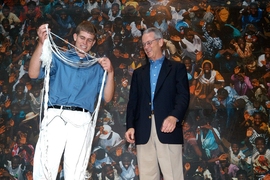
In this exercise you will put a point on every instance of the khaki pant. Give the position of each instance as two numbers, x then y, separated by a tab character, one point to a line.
154	157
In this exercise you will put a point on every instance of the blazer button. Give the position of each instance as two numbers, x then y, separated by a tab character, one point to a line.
150	103
149	117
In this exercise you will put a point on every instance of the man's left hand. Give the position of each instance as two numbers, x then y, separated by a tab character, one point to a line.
106	64
169	124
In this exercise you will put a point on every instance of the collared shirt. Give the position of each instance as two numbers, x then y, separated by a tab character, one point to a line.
155	67
71	86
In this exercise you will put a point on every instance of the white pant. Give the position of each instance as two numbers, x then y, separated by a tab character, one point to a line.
63	131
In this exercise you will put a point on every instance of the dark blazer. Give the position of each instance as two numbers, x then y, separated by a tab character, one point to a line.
171	99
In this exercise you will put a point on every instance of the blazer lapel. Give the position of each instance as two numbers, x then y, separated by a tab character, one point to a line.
164	71
146	77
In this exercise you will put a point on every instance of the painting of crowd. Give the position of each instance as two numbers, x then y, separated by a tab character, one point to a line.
225	45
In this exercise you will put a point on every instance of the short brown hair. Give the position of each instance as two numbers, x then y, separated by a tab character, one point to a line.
87	27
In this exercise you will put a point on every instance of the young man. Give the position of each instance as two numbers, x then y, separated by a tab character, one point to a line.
72	96
158	100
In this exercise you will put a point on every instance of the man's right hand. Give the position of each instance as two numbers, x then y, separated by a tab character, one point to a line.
42	33
129	135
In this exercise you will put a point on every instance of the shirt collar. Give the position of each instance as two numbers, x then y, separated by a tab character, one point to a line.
158	61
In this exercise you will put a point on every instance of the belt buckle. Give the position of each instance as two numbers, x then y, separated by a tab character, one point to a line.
72	108
67	107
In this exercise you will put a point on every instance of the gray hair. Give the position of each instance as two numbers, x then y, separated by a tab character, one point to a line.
156	31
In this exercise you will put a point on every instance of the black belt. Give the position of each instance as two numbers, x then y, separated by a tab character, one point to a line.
72	108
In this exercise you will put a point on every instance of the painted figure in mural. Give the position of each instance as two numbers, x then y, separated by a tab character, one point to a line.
224	169
239	158
191	45
257	129
261	159
15	168
66	127
127	166
155	112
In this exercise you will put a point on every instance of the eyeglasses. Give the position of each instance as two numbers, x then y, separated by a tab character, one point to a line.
148	43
